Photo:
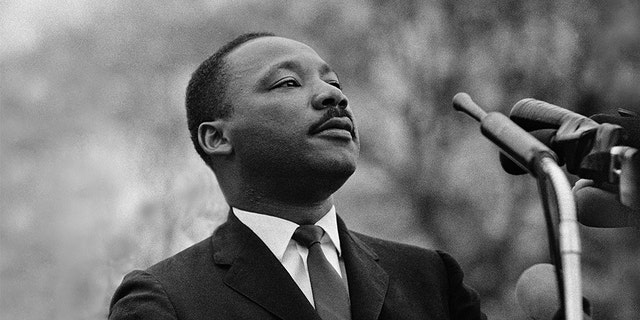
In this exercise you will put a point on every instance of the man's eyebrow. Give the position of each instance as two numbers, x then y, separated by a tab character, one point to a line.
325	68
287	65
297	66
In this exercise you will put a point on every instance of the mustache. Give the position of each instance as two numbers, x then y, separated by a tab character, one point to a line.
332	112
336	112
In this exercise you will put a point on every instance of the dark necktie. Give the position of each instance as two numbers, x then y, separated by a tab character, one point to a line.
329	292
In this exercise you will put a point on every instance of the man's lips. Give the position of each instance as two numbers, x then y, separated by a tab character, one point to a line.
341	123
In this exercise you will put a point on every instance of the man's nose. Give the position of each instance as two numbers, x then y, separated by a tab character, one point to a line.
330	96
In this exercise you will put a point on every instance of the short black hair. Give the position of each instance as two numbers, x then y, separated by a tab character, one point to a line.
205	97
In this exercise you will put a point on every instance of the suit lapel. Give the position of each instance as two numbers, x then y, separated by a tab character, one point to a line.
257	274
368	282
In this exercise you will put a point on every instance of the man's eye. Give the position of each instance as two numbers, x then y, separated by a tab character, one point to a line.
287	83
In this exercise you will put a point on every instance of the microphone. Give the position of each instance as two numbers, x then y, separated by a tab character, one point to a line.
575	133
532	114
547	137
599	148
537	294
517	144
580	141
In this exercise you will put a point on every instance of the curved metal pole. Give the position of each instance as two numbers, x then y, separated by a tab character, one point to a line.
540	161
551	218
569	238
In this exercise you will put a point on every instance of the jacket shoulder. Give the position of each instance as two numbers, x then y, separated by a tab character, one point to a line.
141	296
162	290
409	265
184	262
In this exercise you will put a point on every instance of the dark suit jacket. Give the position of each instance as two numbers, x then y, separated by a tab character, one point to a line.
233	275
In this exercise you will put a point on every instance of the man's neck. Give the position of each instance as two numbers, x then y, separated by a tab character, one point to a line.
298	213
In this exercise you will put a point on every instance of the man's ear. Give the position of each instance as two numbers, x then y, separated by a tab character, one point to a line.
212	138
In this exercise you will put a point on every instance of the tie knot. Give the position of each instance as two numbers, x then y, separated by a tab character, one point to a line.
308	235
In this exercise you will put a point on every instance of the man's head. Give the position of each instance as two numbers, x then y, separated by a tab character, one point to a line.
205	98
286	130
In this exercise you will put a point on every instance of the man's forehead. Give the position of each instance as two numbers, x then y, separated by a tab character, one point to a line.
260	52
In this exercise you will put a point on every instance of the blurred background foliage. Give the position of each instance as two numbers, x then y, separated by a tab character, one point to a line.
98	175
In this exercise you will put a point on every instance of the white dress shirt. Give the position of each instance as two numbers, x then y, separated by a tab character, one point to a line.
276	234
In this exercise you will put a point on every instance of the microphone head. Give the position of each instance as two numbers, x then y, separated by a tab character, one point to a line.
537	291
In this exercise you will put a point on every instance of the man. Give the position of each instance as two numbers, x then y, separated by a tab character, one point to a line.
267	114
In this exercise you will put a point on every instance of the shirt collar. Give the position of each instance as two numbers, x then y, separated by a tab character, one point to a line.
330	225
277	232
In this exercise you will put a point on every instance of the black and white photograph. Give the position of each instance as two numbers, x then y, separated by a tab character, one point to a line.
320	160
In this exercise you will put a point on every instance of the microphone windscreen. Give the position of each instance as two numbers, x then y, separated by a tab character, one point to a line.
602	209
630	124
537	292
532	114
545	136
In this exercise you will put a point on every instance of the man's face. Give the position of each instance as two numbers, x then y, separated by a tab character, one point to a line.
290	118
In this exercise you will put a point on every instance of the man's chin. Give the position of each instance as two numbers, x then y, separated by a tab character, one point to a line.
329	180
336	162
336	170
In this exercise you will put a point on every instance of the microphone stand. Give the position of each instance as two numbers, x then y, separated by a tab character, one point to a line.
555	191
558	201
